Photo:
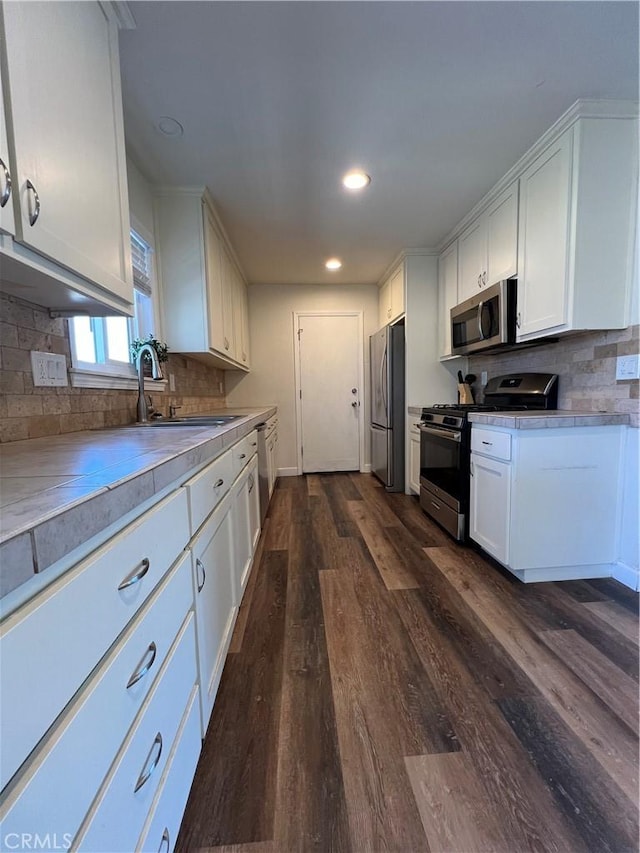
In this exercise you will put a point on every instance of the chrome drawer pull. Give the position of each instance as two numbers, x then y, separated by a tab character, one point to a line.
254	444
437	506
218	483
242	456
6	193
490	443
165	840
33	216
200	565
143	667
136	575
252	483
144	776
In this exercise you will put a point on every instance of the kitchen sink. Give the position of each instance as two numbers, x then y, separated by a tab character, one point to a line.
188	421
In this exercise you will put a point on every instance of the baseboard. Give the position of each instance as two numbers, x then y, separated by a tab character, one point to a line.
287	472
627	575
366	469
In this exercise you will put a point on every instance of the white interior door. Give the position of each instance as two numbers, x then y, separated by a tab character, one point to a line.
329	391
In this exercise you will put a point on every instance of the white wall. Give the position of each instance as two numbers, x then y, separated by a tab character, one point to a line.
272	379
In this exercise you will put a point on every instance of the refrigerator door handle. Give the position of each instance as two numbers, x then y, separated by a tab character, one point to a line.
383	382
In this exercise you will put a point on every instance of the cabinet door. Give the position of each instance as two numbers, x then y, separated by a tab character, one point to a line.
272	444
502	236
213	262
241	536
228	284
7	223
254	504
472	254
240	320
414	463
384	304
447	294
490	509
396	288
66	124
212	557
543	255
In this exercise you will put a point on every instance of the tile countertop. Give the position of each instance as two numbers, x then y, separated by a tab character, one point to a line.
546	420
58	492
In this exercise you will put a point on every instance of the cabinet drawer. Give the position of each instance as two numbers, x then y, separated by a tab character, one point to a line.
491	443
243	451
50	799
51	645
118	815
413	427
272	424
208	487
161	829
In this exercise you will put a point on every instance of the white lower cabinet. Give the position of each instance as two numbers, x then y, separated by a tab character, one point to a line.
101	731
212	556
414	457
546	502
118	815
271	440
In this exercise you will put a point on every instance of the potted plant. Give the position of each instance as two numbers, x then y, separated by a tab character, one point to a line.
159	346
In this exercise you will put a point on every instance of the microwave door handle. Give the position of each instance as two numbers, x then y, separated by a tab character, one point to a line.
441	433
480	332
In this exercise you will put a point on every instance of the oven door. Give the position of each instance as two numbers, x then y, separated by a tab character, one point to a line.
444	464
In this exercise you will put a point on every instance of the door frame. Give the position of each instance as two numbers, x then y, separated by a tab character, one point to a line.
297	315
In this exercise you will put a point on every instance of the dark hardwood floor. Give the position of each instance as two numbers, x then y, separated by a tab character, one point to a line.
388	690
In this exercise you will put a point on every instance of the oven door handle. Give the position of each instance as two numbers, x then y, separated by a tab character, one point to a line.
442	433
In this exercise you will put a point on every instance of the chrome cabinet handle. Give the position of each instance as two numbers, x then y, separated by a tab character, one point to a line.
254	444
437	506
6	192
244	356
136	575
226	343
490	443
484	278
145	775
33	215
242	456
518	319
144	665
252	483
218	483
480	281
200	565
165	840
471	467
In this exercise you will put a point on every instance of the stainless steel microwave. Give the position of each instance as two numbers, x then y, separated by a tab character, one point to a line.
486	321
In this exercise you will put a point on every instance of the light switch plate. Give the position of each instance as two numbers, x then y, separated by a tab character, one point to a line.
628	367
48	369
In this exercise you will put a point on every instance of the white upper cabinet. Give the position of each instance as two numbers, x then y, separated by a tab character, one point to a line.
64	125
7	222
488	247
447	294
391	297
200	280
577	224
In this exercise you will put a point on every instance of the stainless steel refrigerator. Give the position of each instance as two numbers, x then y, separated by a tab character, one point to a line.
386	351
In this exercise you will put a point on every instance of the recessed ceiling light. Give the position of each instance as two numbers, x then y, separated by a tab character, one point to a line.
333	264
168	126
356	179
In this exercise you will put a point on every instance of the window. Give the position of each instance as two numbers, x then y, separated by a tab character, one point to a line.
100	345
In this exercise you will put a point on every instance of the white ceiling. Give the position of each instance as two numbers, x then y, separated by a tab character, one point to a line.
436	100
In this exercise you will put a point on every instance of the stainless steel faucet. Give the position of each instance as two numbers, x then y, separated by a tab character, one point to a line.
156	373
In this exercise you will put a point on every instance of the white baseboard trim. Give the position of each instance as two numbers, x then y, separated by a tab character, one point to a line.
366	469
287	472
627	575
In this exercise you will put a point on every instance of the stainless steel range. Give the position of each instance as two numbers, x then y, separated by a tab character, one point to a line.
445	439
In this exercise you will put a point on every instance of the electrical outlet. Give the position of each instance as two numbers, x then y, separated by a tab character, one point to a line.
628	367
48	369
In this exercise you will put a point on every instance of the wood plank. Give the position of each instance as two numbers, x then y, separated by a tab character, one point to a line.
392	571
611	743
581	591
343	522
279	515
587	796
311	809
518	794
408	511
314	487
616	591
457	814
385	705
237	767
617	616
617	690
245	606
323	532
